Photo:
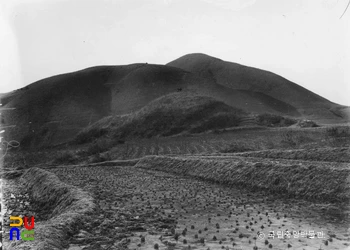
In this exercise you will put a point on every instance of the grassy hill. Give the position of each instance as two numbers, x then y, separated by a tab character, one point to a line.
240	77
168	115
55	109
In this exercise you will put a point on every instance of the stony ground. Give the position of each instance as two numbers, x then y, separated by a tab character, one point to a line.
142	209
16	202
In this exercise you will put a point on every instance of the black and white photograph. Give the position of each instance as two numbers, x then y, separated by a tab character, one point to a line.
174	124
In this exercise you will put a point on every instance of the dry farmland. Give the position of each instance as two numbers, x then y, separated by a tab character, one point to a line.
214	191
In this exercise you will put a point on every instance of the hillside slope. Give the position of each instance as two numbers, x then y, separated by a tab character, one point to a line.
55	109
240	77
168	115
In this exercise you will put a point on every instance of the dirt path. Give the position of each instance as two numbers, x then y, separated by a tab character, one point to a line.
140	209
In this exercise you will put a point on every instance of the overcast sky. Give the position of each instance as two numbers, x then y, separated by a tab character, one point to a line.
301	40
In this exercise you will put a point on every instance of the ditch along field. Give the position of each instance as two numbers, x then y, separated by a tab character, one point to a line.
198	200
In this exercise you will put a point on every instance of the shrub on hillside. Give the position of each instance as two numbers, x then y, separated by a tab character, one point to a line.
235	148
174	114
217	121
89	135
65	157
99	146
307	124
338	136
338	132
99	129
292	139
288	138
100	157
272	120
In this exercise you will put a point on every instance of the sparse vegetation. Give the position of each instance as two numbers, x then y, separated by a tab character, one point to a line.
307	124
88	135
217	121
340	154
336	132
294	140
100	129
272	120
99	146
338	136
236	148
176	113
65	157
241	140
98	157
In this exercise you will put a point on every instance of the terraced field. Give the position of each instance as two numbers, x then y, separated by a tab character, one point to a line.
145	209
241	140
138	150
259	139
329	154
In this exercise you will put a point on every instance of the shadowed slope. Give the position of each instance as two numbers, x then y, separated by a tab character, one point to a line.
55	109
241	77
165	116
176	113
146	83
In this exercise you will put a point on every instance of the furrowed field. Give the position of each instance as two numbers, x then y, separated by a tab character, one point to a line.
225	189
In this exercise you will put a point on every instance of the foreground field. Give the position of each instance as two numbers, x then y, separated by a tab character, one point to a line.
159	203
140	208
